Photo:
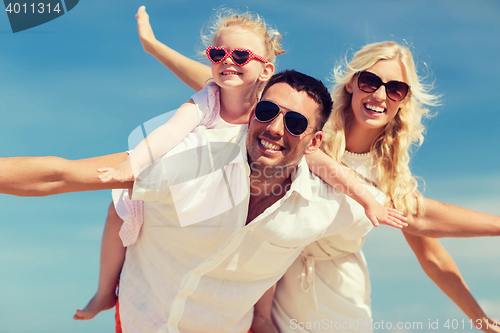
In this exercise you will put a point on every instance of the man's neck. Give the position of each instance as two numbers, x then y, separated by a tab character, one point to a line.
267	188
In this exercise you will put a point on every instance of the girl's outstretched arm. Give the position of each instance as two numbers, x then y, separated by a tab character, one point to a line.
445	220
160	141
440	267
191	72
343	180
262	321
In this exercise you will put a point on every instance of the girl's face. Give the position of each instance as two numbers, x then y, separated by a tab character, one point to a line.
229	75
374	110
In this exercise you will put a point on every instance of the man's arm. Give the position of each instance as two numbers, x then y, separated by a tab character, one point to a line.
41	176
262	321
445	220
441	269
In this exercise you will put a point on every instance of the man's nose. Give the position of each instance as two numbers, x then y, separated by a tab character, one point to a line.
277	126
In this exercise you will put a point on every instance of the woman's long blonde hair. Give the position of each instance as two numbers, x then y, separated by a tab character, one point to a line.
391	150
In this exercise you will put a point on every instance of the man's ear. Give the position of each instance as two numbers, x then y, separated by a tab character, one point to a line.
315	143
252	115
267	72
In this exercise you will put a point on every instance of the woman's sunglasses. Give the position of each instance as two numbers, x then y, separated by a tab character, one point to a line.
296	123
240	57
395	90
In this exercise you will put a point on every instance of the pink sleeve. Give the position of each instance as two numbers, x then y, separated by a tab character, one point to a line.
207	102
131	212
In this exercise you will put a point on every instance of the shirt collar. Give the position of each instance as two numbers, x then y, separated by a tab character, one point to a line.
301	180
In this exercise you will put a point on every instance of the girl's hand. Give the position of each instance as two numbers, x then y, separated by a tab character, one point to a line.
121	173
146	35
378	214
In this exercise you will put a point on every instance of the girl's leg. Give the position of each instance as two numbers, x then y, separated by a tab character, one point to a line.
112	257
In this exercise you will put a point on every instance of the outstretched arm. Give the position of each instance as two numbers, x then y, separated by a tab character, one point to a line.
440	267
445	220
41	176
191	72
160	141
341	179
262	321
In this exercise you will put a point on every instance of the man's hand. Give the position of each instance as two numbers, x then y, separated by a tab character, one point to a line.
263	325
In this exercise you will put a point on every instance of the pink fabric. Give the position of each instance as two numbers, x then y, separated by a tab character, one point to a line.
208	103
131	212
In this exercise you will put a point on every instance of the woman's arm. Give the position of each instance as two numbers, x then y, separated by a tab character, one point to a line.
262	321
41	176
191	72
440	267
445	220
343	180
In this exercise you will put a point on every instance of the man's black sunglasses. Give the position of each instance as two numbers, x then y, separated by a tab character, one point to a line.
296	123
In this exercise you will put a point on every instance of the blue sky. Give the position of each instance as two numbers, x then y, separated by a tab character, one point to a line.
77	86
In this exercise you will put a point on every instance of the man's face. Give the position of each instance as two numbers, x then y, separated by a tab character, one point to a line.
270	144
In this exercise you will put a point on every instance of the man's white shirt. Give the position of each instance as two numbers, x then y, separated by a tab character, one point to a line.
207	275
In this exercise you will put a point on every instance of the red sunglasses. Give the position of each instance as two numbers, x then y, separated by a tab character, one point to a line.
240	57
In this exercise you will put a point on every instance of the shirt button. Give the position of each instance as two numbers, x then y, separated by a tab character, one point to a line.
197	272
220	255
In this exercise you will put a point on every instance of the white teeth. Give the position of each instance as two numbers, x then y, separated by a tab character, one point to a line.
230	73
374	108
269	145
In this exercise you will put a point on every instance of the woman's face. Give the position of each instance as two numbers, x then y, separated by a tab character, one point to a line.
375	110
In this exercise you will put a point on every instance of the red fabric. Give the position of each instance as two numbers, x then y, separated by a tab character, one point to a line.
118	323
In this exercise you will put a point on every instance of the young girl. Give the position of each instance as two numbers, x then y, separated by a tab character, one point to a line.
242	53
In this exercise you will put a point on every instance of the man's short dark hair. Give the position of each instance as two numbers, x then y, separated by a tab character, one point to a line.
312	87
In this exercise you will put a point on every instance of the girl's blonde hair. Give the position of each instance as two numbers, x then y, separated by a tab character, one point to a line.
251	21
391	149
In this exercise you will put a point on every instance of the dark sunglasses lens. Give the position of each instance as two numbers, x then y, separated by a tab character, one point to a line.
217	55
369	82
295	122
396	90
240	57
265	111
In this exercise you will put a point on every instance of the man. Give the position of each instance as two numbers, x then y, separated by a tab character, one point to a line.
206	277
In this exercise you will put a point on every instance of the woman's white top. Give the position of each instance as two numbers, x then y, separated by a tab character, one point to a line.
328	288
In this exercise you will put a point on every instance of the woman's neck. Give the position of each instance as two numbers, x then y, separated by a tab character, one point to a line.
358	139
235	105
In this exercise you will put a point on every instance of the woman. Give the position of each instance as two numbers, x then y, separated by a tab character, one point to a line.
330	280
